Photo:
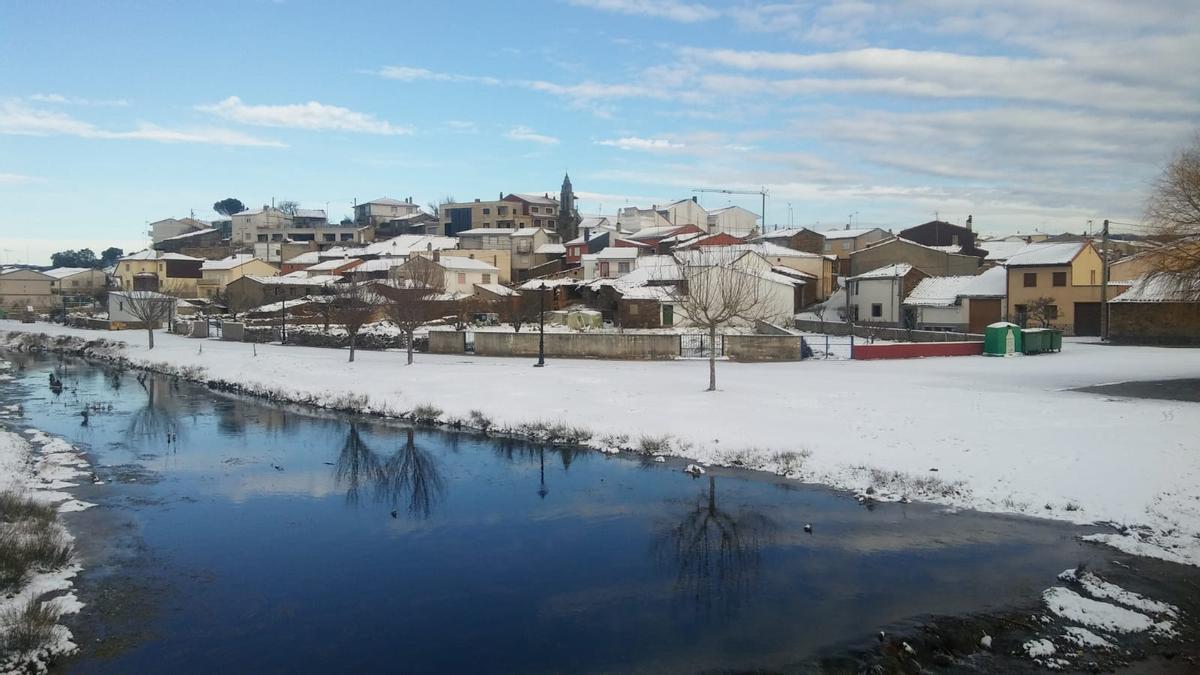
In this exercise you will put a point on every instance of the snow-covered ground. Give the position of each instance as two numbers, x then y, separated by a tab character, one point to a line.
41	467
996	434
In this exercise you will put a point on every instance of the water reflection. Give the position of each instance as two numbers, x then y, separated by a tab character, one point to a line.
715	553
410	477
158	416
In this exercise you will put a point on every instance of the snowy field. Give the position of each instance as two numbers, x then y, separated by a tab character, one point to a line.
1000	435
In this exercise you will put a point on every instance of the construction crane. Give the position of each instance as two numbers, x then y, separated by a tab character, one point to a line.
761	191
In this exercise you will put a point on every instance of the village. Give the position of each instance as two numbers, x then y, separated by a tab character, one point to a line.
473	275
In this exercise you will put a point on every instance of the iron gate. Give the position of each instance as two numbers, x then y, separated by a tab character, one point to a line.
699	346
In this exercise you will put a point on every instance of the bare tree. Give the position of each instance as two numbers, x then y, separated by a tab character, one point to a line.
355	305
412	298
1042	310
150	308
435	208
717	291
1174	213
518	310
288	206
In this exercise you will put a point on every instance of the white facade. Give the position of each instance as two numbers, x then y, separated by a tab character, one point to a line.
382	210
173	227
632	219
732	220
247	223
609	263
686	212
876	297
776	293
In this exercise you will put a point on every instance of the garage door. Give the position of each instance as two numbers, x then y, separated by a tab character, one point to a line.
1087	318
984	311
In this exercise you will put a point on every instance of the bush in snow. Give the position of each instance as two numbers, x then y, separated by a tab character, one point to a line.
426	414
790	463
31	540
654	445
478	420
28	627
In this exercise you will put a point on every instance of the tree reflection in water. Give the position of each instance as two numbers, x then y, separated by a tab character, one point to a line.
410	476
715	553
158	417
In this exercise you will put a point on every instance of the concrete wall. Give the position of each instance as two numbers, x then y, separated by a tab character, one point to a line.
233	332
914	351
447	342
1154	322
762	347
579	345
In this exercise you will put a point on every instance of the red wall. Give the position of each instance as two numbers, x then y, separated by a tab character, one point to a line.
912	350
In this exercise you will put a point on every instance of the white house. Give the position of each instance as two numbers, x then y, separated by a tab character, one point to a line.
609	263
119	306
382	210
877	296
779	294
77	280
633	219
459	275
732	220
960	303
168	228
685	212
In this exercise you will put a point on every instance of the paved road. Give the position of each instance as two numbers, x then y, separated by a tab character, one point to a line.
1187	389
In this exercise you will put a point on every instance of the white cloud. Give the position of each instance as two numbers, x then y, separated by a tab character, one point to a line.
311	115
15	179
18	119
645	144
523	133
75	100
411	74
674	10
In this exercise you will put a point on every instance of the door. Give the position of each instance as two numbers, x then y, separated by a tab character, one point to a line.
1087	318
668	315
984	312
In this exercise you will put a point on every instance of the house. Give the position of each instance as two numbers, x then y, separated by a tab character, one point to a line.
167	228
336	267
121	314
77	280
877	296
940	234
670	235
633	219
513	211
780	294
960	303
418	222
609	263
818	269
928	259
206	238
525	246
998	251
685	212
733	220
801	239
151	270
590	241
379	211
23	288
215	275
1067	273
460	275
1157	309
244	293
271	225
842	243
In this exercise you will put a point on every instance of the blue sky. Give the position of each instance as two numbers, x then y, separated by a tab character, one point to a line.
1029	115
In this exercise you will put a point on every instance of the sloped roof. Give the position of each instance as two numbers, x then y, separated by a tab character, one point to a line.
151	254
1061	253
64	272
1000	250
333	264
481	231
849	234
310	213
938	291
497	289
1162	288
991	283
228	263
550	249
306	258
193	233
456	262
886	272
535	199
386	201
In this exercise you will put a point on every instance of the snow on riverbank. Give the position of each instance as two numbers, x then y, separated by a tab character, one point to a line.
1000	435
41	474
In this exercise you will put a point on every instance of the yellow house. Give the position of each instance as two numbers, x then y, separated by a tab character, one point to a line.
22	288
216	274
150	270
1068	273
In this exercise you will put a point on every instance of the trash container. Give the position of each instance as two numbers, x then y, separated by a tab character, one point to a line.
1002	339
1041	340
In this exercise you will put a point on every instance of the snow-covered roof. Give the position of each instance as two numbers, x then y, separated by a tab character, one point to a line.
457	262
306	258
550	249
535	284
783	232
290	280
309	213
659	293
535	199
617	253
64	272
848	234
991	283
482	231
767	249
528	231
386	201
378	265
406	243
656	232
151	254
236	260
945	291
1059	253
497	289
1161	288
1000	250
335	263
193	233
274	307
886	272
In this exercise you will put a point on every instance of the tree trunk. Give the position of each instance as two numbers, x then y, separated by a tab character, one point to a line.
409	338
352	336
712	359
150	334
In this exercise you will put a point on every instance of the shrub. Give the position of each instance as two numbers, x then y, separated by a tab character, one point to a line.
479	421
30	626
426	414
15	508
654	445
790	463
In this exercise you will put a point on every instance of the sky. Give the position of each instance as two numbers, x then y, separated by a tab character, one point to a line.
1027	115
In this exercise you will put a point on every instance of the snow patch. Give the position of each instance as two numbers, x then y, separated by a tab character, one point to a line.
1095	614
1037	649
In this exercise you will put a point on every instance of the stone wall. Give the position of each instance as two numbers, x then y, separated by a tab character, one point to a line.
580	345
894	334
231	331
447	342
1154	323
762	347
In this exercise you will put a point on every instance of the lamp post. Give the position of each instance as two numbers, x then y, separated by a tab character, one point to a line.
541	326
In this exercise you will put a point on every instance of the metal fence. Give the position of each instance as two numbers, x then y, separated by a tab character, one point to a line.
700	345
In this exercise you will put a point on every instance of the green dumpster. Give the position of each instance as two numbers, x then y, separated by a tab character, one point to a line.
1041	340
1002	339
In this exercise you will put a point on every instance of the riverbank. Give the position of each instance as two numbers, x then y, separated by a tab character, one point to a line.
999	435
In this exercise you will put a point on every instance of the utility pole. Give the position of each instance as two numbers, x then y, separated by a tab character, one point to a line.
1104	282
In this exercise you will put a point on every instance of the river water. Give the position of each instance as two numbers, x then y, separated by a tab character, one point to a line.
235	535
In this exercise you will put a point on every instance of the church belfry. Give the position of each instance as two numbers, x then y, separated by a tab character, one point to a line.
568	219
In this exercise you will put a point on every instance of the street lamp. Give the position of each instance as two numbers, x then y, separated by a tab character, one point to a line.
541	326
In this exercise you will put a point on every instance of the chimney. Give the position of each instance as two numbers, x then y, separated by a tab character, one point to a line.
970	223
587	235
694	200
477	200
501	197
437	256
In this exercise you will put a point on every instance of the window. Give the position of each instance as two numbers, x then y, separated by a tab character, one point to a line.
828	246
1031	280
534	209
1093	278
487	212
502	210
633	309
854	288
604	269
876	310
622	268
1059	279
487	278
1052	312
462	278
954	240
